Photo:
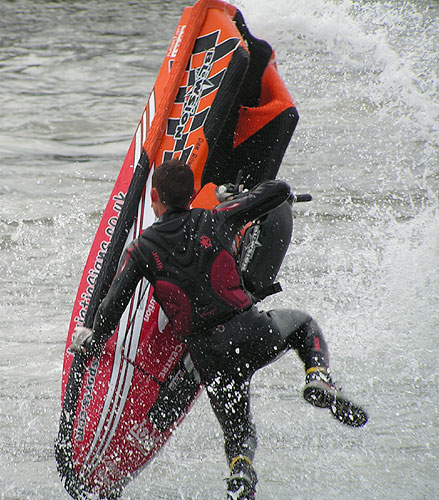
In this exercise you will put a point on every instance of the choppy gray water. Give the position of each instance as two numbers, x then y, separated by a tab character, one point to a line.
74	78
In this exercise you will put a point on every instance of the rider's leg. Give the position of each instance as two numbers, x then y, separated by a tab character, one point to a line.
319	389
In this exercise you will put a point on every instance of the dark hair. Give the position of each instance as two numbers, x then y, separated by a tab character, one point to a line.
174	182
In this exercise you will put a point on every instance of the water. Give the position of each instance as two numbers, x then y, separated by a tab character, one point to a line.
74	78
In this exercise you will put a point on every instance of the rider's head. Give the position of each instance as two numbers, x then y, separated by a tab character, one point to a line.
172	186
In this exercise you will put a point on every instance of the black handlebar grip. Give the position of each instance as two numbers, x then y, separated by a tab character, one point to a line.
298	198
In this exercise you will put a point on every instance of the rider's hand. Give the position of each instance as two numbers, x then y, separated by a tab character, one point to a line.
228	191
82	340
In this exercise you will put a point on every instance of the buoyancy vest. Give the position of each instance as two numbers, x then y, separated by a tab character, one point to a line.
194	275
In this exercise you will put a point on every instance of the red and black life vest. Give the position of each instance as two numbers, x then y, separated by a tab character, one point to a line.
194	275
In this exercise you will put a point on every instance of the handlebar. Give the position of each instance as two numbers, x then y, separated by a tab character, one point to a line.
299	198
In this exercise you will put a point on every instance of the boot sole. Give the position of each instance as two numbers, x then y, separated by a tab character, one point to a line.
320	395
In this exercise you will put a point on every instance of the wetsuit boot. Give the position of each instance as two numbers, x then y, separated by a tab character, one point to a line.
321	391
241	484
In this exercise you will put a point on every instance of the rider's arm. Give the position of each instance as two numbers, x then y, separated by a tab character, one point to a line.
118	296
251	205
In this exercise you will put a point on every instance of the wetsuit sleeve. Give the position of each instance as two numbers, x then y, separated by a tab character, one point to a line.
235	213
111	309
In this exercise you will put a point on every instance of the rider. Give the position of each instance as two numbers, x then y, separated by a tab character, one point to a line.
187	255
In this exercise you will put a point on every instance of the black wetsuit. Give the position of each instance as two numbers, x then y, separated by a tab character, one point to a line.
187	256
